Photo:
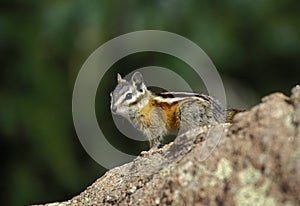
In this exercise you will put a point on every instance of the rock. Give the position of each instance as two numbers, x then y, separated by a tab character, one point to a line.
253	161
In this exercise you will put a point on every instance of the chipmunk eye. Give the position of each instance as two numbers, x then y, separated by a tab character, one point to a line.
128	96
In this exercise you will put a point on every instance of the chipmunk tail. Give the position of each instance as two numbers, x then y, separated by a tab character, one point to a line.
230	114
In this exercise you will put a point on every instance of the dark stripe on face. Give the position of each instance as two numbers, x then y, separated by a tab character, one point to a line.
133	103
137	100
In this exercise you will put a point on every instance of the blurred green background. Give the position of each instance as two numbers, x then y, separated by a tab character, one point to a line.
255	46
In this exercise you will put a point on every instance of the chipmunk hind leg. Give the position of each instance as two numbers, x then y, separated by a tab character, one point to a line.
194	114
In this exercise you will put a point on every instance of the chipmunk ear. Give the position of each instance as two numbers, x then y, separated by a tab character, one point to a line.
137	81
119	78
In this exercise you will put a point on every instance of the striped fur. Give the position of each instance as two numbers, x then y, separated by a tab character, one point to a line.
160	114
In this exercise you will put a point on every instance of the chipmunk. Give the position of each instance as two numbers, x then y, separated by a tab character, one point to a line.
161	114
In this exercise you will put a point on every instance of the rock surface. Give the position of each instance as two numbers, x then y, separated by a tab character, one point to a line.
254	161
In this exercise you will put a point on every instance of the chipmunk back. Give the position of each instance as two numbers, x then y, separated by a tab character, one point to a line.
160	114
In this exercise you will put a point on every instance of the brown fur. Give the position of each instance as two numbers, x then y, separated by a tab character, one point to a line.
170	114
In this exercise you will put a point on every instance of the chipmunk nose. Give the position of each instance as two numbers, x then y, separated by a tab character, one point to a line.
113	108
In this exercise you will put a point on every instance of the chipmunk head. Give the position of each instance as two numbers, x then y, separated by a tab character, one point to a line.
127	94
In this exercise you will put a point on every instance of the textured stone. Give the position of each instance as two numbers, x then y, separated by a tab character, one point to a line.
256	162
